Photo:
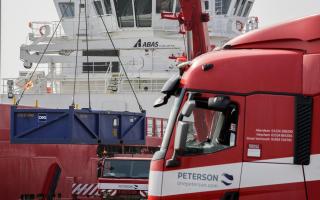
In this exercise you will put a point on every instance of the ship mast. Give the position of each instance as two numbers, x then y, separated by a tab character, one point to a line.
194	23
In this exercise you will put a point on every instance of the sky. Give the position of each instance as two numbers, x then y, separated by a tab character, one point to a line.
17	14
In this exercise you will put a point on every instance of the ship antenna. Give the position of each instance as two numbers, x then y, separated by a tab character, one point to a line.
77	52
121	64
45	50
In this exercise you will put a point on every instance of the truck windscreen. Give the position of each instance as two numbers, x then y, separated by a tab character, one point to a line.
126	169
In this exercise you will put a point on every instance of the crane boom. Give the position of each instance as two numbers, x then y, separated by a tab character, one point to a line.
193	23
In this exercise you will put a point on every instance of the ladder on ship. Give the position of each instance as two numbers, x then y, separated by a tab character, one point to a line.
112	81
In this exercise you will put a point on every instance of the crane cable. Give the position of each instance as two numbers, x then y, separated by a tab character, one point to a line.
87	45
122	66
45	50
77	51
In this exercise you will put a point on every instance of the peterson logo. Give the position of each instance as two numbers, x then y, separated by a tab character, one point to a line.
141	44
226	179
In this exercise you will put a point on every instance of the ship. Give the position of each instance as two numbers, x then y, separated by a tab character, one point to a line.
95	56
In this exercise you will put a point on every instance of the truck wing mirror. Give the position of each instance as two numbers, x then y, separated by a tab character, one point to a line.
171	85
219	103
161	101
188	108
181	136
168	89
179	143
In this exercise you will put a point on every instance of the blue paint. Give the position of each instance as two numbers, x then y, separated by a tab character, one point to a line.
70	126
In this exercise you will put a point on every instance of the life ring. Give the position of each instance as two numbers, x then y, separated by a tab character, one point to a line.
239	25
44	30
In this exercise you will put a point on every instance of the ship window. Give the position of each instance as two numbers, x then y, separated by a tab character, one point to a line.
107	6
67	9
109	53
115	67
95	67
124	13
98	6
248	8
143	9
206	5
241	7
222	7
235	7
164	6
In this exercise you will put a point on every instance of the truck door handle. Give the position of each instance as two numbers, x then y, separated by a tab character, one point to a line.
230	196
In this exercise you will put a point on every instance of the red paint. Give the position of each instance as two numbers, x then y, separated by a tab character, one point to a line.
270	192
237	71
311	74
274	192
315	148
313	190
52	178
23	167
301	34
230	155
157	165
262	72
195	196
271	115
194	20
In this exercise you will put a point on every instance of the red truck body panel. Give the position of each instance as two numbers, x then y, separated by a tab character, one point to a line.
271	77
247	71
301	34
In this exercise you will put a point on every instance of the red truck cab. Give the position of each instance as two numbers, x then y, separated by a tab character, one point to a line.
245	122
125	176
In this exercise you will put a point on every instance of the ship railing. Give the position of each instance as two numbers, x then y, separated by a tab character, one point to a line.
156	127
38	28
252	23
69	27
166	27
98	85
142	85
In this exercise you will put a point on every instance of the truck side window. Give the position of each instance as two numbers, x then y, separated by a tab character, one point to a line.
210	131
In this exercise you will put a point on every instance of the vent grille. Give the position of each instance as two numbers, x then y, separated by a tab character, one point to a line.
303	127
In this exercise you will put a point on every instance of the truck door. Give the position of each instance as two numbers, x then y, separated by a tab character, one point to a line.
209	166
273	147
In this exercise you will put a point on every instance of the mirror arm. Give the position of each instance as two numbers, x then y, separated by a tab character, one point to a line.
174	161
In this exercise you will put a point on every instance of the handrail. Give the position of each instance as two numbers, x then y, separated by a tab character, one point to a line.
156	126
100	85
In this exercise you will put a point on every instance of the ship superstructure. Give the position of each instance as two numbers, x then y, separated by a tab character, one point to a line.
142	40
